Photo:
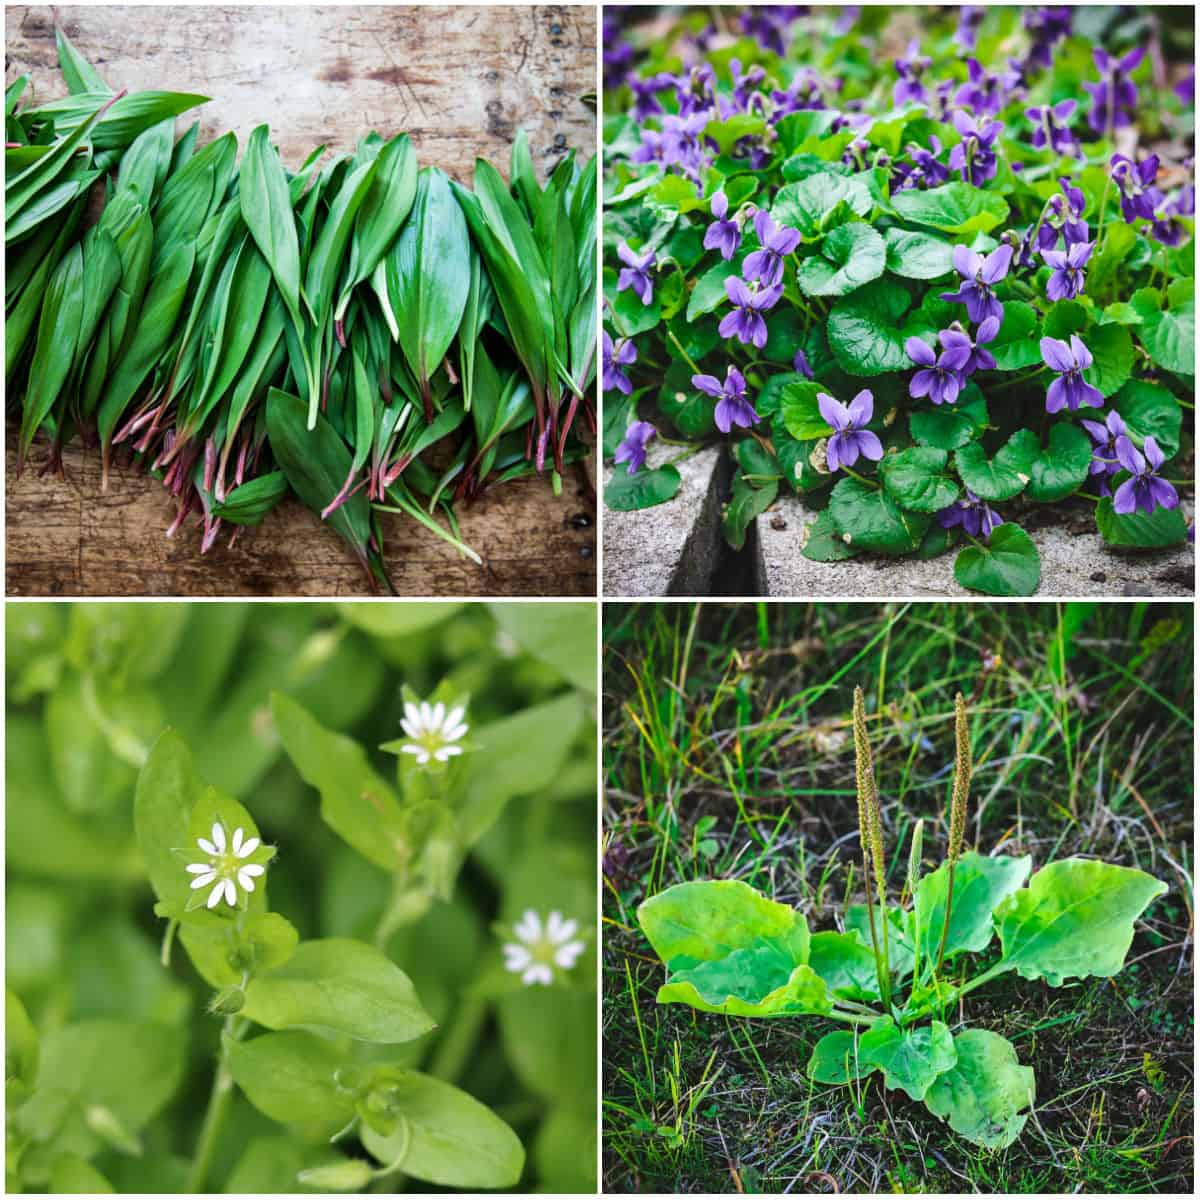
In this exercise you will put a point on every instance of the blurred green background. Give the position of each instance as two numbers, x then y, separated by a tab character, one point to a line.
90	687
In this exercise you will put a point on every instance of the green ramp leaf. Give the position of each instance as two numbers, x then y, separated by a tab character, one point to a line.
337	985
983	1094
1074	919
909	1058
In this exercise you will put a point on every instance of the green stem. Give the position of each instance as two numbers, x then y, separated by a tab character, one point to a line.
945	920
686	356
850	1018
218	1108
861	478
460	1039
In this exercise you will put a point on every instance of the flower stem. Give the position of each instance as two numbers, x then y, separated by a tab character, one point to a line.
218	1108
861	478
686	356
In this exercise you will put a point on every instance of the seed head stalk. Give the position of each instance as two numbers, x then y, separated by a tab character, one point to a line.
958	810
870	836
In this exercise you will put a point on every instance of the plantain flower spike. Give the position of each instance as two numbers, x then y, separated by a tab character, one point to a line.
914	856
962	777
868	797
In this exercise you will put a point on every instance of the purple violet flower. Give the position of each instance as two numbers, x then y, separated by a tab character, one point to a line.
645	95
850	437
974	156
1051	127
617	355
1136	184
1143	490
770	24
939	377
970	17
1168	228
732	406
1104	448
979	276
1048	24
746	322
636	272
1070	390
1185	89
973	514
972	353
926	171
908	87
633	449
800	365
1114	98
722	235
766	265
1066	280
983	93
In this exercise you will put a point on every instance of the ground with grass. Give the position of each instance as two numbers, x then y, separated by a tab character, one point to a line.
728	755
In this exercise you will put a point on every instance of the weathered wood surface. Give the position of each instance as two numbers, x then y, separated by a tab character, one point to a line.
460	81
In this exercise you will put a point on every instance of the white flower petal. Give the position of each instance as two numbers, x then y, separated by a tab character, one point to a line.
230	893
251	869
565	956
446	753
452	735
409	748
247	882
237	841
207	846
560	930
218	837
198	868
203	880
411	729
516	958
538	973
412	712
439	714
215	895
248	847
529	928
426	715
453	717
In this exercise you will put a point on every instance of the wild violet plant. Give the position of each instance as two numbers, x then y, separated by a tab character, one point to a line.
978	253
896	973
321	985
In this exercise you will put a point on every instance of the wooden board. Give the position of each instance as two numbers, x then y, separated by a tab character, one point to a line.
460	81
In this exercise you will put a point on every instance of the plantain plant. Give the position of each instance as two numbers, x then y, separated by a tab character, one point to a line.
894	976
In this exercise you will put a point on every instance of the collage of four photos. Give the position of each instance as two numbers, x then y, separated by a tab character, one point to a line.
599	599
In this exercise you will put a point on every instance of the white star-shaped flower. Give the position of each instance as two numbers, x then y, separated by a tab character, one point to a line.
225	864
539	949
432	731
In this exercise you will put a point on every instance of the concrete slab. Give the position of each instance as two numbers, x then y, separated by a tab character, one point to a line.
1075	562
671	549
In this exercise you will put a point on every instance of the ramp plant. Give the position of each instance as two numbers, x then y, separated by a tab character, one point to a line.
931	292
361	333
897	975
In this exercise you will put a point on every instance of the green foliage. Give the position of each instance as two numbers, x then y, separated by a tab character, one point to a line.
317	989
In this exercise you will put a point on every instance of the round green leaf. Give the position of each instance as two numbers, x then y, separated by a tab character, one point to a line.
1149	410
1008	564
708	292
909	1058
290	1077
983	1094
916	479
851	255
1137	531
835	1059
823	543
1112	357
846	964
626	493
864	329
949	426
1062	466
1004	476
813	204
1170	337
1016	343
916	255
957	208
873	520
800	412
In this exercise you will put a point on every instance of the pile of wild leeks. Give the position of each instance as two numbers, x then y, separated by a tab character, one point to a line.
245	332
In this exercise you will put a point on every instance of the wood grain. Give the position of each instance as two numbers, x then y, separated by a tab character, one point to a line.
460	81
